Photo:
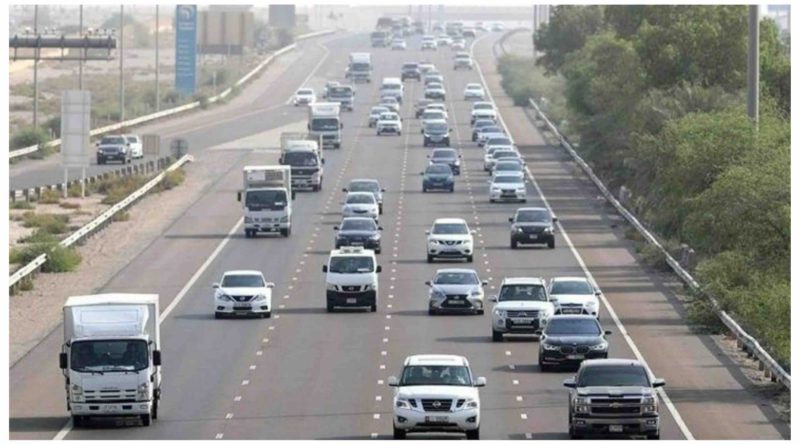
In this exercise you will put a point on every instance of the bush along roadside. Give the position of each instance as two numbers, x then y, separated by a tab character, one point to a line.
652	112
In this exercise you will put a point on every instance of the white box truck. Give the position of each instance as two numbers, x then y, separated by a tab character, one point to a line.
267	199
324	122
301	152
111	356
359	69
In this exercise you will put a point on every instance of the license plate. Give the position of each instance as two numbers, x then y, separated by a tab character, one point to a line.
522	321
241	307
437	419
615	428
109	408
577	357
533	236
351	301
457	302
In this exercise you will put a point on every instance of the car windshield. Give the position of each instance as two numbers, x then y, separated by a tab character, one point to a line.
389	100
572	288
490	129
245	280
390	117
391	86
432	115
434	86
533	216
265	200
108	355
507	179
456	278
623	375
410	66
305	92
444	154
474	87
324	124
436	128
505	154
481	123
351	264
360	199
498	141
450	229
300	159
508	167
436	376
132	139
522	292
439	169
366	224
377	111
572	326
363	186
113	140
480	106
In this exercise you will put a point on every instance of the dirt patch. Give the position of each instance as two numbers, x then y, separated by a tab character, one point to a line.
35	313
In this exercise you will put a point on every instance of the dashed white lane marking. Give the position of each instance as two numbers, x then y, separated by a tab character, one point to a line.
519	398
512	367
382	366
229	416
237	399
266	340
252	367
388	316
373	435
271	328
376	416
515	382
219	436
380	382
277	316
386	340
383	353
508	352
259	352
245	382
378	398
386	328
528	436
523	416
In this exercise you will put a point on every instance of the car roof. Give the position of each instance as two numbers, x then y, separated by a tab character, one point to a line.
523	280
242	272
532	209
611	362
307	90
364	180
449	221
561	279
436	359
379	107
357	218
360	193
457	270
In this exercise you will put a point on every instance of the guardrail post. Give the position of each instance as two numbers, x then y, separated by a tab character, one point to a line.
624	195
687	257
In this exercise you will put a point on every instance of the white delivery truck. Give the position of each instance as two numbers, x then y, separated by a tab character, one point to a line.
301	152
267	199
360	67
111	356
324	122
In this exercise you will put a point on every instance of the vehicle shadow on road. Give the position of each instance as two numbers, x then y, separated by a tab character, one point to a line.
35	424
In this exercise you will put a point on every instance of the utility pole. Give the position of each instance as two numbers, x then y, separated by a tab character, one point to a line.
535	28
752	64
36	68
121	63
80	62
158	87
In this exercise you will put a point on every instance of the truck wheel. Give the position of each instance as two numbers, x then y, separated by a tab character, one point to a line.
431	311
424	190
551	244
497	336
380	209
77	421
474	434
154	409
398	434
146	419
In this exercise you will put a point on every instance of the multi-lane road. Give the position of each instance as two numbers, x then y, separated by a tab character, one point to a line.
306	373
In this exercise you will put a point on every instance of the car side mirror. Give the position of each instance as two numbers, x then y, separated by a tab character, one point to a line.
324	268
607	332
570	382
341	125
335	227
378	269
493	298
308	127
484	283
62	360
392	381
658	383
480	382
294	195
422	173
215	286
322	161
427	283
156	358
344	190
427	232
449	130
597	293
380	228
511	219
239	196
555	219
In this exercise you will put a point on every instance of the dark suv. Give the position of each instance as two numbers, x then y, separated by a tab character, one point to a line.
357	231
614	397
533	225
410	71
113	148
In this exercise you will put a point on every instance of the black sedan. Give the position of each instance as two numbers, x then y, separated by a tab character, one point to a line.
357	231
571	339
438	177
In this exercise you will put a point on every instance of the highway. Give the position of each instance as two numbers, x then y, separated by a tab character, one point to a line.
308	374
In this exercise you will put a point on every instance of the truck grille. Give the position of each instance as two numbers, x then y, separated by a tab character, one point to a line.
110	396
436	405
616	406
532	230
615	409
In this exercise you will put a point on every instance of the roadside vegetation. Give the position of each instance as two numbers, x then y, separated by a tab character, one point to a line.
654	98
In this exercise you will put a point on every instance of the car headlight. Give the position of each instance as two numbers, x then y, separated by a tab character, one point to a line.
470	404
518	230
77	393
591	305
260	297
224	297
548	230
521	190
437	294
650	404
332	287
544	314
248	219
433	241
475	293
500	313
370	286
581	404
375	236
402	403
549	347
285	219
143	391
599	347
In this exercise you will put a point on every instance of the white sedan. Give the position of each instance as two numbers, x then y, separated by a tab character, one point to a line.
507	187
304	96
474	91
243	292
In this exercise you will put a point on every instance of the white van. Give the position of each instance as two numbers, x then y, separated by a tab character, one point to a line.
351	278
392	87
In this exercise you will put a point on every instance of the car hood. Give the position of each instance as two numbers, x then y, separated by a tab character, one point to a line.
357	233
434	392
574	340
457	289
615	391
360	206
350	279
573	299
509	185
244	290
524	305
442	237
532	224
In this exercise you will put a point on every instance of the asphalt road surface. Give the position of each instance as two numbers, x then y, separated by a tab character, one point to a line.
308	374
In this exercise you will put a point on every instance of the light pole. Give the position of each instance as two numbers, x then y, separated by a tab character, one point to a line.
121	63
80	62
36	68
752	64
158	87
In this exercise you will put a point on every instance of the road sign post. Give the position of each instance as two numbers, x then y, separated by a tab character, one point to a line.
179	147
75	127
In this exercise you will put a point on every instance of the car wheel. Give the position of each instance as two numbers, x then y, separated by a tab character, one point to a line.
398	434
655	436
452	189
551	244
378	251
474	434
424	190
513	244
218	315
373	307
267	314
497	336
480	311
146	419
431	311
544	367
469	258
430	258
330	307
286	232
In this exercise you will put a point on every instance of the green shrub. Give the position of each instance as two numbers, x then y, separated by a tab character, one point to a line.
652	256
62	259
172	179
203	99
47	222
21	205
15	255
121	216
39	236
74	191
70	205
28	136
50	197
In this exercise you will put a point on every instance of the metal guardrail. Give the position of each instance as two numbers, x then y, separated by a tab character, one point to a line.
190	106
768	364
99	222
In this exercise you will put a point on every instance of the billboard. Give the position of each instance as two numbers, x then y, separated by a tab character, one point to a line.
225	30
76	106
185	49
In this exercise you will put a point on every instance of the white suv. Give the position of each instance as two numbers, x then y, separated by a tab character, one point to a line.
456	290
389	123
450	238
522	307
360	204
574	295
351	278
243	292
436	393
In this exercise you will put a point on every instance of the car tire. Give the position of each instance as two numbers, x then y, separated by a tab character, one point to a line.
513	244
480	311
430	258
452	189
424	190
497	336
146	419
380	209
469	258
551	244
373	307
431	311
491	200
330	307
398	434
218	315
656	436
286	232
378	251
267	314
474	434
544	367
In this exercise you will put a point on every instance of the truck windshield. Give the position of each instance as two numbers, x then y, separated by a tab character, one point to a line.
325	124
265	200
522	292
623	375
436	375
108	355
340	92
300	159
351	264
360	67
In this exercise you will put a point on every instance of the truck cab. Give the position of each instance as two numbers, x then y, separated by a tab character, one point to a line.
360	67
344	95
267	199
351	278
300	151
111	356
324	122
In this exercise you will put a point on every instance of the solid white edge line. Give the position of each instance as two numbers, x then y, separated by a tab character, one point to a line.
68	426
661	392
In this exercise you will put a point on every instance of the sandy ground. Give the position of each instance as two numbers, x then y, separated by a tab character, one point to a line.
90	207
34	314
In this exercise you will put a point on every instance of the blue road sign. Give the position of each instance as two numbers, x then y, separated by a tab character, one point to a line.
186	49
